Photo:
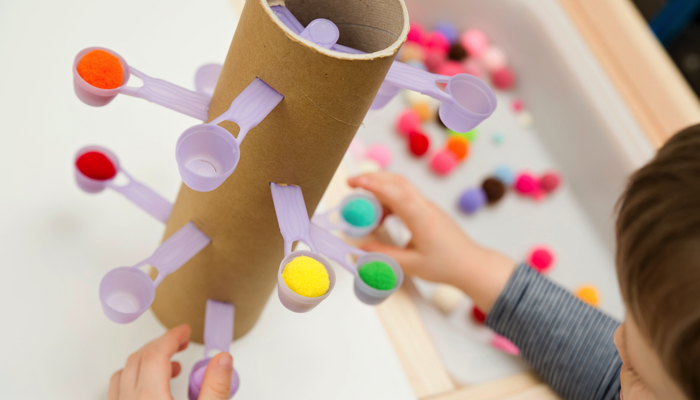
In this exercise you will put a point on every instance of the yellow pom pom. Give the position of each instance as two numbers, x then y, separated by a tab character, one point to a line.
306	277
588	294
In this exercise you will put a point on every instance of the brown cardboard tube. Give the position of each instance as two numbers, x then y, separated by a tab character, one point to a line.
326	96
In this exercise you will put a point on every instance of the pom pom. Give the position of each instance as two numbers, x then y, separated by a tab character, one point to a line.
433	60
378	275
472	200
494	58
409	121
359	212
505	345
96	165
498	137
369	166
475	41
469	136
505	174
446	298
457	52
525	119
418	143
517	105
417	64
503	78
306	277
450	68
411	52
101	70
541	259
424	111
472	66
449	30
443	162
416	34
589	295
478	315
494	189
459	146
357	148
527	185
550	182
437	42
379	153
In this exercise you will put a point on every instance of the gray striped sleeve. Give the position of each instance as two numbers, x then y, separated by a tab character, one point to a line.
567	342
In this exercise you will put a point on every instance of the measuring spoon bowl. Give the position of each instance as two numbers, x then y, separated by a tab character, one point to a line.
368	294
206	155
294	301
126	293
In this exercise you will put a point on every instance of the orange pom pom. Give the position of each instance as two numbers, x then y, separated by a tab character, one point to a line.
459	146
101	69
424	111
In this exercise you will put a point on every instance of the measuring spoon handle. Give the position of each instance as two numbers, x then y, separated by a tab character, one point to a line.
177	250
334	247
170	96
250	107
144	197
292	217
218	326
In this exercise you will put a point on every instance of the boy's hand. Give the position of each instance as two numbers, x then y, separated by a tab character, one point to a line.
439	250
147	373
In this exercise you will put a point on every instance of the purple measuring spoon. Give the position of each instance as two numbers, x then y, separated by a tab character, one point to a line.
206	77
293	220
154	90
464	104
326	219
207	154
137	192
336	249
218	331
127	292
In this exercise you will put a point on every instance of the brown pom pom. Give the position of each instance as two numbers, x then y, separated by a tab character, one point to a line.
457	52
495	190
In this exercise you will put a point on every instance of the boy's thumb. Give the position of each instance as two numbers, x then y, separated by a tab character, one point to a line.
217	378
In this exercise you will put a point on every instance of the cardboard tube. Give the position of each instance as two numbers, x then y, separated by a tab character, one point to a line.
326	96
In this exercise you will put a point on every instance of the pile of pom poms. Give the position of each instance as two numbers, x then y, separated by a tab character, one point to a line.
446	51
443	161
494	188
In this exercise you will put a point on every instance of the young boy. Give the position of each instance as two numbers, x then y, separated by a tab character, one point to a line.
571	345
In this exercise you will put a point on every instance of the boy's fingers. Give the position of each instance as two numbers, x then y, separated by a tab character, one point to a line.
156	368
113	393
217	378
395	192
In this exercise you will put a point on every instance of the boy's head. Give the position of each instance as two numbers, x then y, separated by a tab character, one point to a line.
658	267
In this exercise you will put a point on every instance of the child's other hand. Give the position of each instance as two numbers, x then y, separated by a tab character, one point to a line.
147	373
439	250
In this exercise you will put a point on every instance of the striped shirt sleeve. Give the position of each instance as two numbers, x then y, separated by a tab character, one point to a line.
569	343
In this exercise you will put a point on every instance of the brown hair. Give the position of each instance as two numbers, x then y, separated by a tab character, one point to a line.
658	255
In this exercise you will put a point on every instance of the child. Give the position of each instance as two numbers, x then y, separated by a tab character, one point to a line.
568	343
571	345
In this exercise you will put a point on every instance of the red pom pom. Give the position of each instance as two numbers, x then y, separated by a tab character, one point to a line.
478	315
418	143
503	78
550	182
96	165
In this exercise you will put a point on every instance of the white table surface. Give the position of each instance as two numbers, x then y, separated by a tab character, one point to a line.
58	242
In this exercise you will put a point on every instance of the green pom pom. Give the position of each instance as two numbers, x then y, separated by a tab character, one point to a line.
470	136
378	275
360	213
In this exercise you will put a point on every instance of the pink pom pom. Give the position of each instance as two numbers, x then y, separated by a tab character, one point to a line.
475	42
503	78
494	58
409	121
541	259
416	34
505	345
550	181
434	59
472	66
517	105
450	68
443	162
379	153
436	41
358	148
526	184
